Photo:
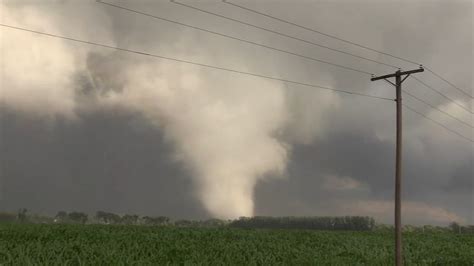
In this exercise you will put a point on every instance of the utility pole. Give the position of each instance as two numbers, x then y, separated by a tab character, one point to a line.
398	164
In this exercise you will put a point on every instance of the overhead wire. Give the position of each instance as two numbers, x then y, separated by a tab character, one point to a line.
280	33
258	27
195	63
174	1
448	82
313	43
438	123
318	32
223	69
436	108
254	43
442	94
234	38
343	40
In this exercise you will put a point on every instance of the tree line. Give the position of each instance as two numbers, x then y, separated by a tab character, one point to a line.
349	223
101	217
352	223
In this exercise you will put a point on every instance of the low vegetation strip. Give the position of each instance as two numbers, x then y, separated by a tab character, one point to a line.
352	223
76	244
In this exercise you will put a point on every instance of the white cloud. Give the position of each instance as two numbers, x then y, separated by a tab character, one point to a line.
225	133
38	71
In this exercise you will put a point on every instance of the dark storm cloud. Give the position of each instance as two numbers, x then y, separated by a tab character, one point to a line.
114	159
111	160
370	162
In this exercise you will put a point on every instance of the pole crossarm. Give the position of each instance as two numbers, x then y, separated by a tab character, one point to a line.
398	73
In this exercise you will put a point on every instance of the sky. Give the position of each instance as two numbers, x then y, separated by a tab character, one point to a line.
88	128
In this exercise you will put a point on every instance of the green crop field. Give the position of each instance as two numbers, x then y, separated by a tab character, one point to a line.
22	244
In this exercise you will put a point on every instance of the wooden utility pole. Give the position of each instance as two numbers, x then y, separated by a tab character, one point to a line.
398	164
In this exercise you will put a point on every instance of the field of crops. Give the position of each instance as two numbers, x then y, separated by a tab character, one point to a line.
22	244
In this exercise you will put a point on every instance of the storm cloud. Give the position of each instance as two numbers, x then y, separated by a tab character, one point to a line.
86	128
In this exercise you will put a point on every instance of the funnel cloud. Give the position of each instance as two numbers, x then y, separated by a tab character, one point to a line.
131	133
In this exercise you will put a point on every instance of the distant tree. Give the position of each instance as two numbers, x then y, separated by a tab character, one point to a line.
147	220
78	217
183	222
22	217
101	216
61	217
129	219
355	223
160	220
455	227
213	223
108	217
39	219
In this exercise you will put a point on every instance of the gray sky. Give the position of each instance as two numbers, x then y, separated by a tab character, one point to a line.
86	128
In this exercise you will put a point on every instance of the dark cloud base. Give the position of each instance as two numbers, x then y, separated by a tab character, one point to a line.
116	161
110	161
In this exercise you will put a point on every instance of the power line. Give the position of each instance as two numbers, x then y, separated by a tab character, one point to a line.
220	68
438	123
400	77
258	27
265	29
442	94
237	39
319	32
195	63
280	33
343	40
436	108
451	84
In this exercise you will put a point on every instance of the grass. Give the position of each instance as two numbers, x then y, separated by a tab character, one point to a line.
26	244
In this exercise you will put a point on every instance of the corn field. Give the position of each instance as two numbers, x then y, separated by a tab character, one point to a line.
62	244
